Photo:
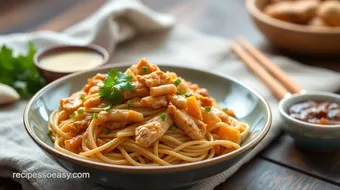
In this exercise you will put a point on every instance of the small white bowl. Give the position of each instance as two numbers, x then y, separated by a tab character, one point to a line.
307	135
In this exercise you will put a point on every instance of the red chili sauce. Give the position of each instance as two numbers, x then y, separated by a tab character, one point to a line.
324	113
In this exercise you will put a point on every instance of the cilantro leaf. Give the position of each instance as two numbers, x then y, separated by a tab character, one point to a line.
20	72
115	85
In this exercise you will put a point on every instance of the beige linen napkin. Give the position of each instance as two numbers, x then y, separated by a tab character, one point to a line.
179	46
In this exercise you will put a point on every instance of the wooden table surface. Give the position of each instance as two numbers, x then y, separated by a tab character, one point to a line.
281	165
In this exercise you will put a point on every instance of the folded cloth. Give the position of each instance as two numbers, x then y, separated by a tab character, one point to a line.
113	24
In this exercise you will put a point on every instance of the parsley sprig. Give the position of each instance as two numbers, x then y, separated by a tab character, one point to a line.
114	85
19	71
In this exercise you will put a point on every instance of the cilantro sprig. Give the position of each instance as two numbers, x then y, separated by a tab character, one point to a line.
19	71
115	85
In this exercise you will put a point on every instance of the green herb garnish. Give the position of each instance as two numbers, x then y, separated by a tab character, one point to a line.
173	128
177	82
107	131
180	93
72	115
225	109
20	72
80	111
82	97
145	69
207	108
163	116
95	116
107	108
129	103
114	85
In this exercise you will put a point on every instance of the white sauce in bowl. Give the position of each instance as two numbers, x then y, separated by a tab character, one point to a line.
71	61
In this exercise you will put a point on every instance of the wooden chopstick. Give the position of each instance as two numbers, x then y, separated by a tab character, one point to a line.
276	71
276	87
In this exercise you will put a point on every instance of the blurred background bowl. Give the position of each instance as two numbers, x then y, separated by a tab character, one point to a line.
293	37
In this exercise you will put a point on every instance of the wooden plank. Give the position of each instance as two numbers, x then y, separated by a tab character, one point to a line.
71	16
260	174
324	165
23	15
8	184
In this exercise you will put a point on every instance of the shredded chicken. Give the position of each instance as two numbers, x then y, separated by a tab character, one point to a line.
153	130
178	101
154	102
138	69
92	102
114	124
154	79
140	90
192	127
78	127
221	114
73	144
97	80
119	115
71	104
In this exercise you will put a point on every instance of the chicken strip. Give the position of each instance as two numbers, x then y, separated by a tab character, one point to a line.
154	79
153	130
143	63
119	115
139	90
114	124
72	103
221	114
178	101
194	128
154	102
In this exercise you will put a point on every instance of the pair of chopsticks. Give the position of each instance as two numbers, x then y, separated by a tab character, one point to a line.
272	75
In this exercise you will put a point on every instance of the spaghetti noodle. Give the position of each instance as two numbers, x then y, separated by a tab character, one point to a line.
144	117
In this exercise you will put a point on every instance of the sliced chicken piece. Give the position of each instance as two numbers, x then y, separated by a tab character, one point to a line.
135	103
154	79
153	130
114	124
97	80
203	92
183	87
179	101
93	90
71	104
221	114
92	102
154	102
205	101
140	90
74	144
194	128
137	69
119	115
78	127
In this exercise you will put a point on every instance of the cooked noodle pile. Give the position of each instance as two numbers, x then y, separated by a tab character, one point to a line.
144	117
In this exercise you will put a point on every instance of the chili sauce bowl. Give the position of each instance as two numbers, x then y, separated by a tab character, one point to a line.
316	137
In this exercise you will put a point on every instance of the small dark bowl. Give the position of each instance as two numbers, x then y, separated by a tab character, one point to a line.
51	75
248	105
